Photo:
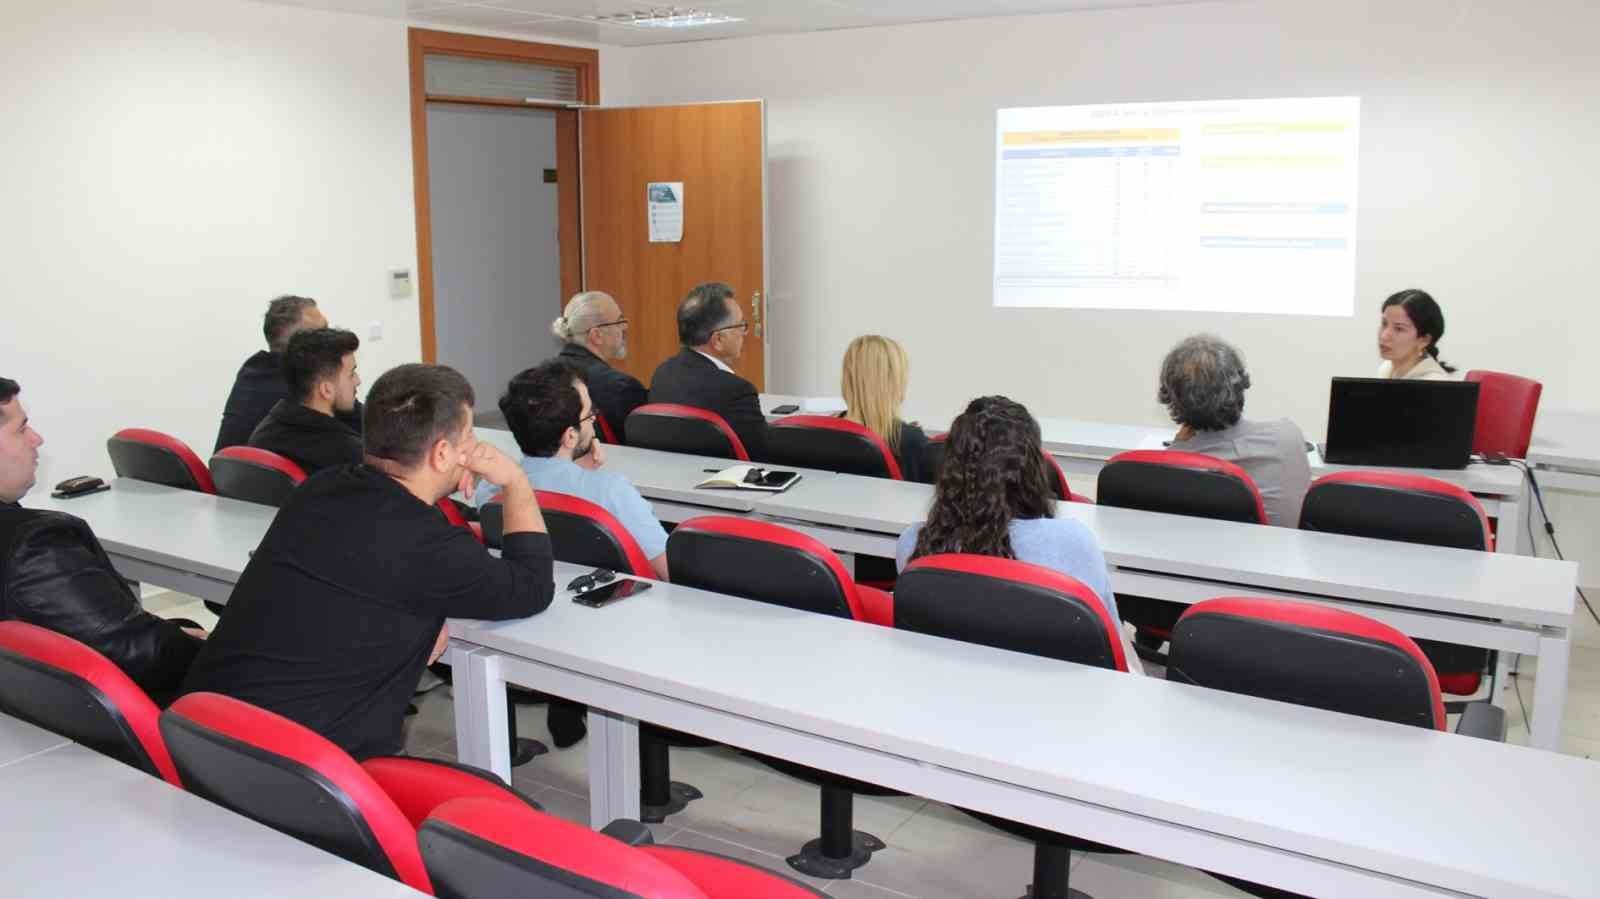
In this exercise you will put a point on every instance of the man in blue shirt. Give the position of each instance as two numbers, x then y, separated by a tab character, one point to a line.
550	414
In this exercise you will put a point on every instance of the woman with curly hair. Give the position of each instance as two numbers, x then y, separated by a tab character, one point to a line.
993	498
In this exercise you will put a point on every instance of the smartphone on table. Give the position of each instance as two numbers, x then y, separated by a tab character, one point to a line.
606	594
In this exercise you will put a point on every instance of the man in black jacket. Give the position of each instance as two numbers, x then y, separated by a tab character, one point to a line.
711	327
595	334
259	384
320	368
345	599
55	574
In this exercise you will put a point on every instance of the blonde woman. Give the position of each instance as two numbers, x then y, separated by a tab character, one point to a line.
874	385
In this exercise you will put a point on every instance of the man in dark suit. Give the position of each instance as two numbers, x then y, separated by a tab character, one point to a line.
259	384
55	574
711	327
320	368
595	334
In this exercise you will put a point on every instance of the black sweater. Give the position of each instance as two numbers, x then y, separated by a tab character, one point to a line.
333	619
306	437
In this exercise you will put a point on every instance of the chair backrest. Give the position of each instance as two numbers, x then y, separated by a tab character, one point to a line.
1007	604
1507	406
607	433
581	532
255	475
454	515
482	849
761	561
934	457
64	686
1180	483
683	429
831	444
1390	505
148	455
1308	655
270	769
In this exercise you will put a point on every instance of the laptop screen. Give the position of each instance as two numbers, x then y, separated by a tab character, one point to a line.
1412	424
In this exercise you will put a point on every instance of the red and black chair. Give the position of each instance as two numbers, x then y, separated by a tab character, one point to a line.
453	513
1507	406
1058	479
683	429
1412	509
286	776
63	686
1316	656
768	563
607	433
255	475
147	455
1178	483
1021	607
581	532
584	533
831	444
476	849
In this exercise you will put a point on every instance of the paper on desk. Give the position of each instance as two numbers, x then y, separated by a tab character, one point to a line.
664	210
1154	442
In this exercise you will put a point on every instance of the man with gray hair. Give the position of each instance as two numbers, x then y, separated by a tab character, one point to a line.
595	334
1203	380
260	383
712	328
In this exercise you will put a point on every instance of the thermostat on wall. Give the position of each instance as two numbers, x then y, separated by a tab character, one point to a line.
400	283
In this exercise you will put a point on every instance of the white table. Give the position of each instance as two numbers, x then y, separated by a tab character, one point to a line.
79	824
1514	604
20	740
1285	795
1566	450
1082	447
194	543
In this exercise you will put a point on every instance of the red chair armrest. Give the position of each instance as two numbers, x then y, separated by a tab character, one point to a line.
418	786
877	606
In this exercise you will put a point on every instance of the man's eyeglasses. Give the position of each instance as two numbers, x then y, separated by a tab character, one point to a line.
620	321
741	327
593	414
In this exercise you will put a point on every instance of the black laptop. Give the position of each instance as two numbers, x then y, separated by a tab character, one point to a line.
1408	424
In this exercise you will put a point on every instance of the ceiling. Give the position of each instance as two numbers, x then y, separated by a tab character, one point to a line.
566	18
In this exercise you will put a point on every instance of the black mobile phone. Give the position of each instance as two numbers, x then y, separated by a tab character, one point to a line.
79	486
785	409
616	591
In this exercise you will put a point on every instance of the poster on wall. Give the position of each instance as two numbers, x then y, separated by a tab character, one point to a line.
664	209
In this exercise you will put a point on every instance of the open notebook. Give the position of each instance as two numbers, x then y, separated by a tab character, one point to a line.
750	477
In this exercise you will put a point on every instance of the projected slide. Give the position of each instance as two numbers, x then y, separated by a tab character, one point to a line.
1216	206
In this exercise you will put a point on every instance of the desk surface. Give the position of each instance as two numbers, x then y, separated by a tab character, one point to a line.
1491	585
198	532
1405	801
20	740
1568	439
79	824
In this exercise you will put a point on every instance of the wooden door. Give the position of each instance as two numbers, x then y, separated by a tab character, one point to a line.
718	151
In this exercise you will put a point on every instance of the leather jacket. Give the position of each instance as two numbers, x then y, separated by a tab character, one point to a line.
54	573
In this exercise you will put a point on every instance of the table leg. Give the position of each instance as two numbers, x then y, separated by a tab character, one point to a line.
613	767
1550	691
482	735
1502	679
1508	535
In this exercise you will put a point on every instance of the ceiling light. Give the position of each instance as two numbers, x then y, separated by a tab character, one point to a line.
665	17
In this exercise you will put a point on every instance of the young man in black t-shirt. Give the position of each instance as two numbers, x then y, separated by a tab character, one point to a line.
344	602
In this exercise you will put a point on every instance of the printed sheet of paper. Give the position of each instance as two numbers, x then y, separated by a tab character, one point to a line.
664	208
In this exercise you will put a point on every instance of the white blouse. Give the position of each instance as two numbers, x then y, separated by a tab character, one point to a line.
1428	369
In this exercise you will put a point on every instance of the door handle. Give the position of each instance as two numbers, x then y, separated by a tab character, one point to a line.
755	311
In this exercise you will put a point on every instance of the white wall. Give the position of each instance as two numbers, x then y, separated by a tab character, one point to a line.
1477	184
171	166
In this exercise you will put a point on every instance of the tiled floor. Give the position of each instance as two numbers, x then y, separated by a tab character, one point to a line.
934	852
